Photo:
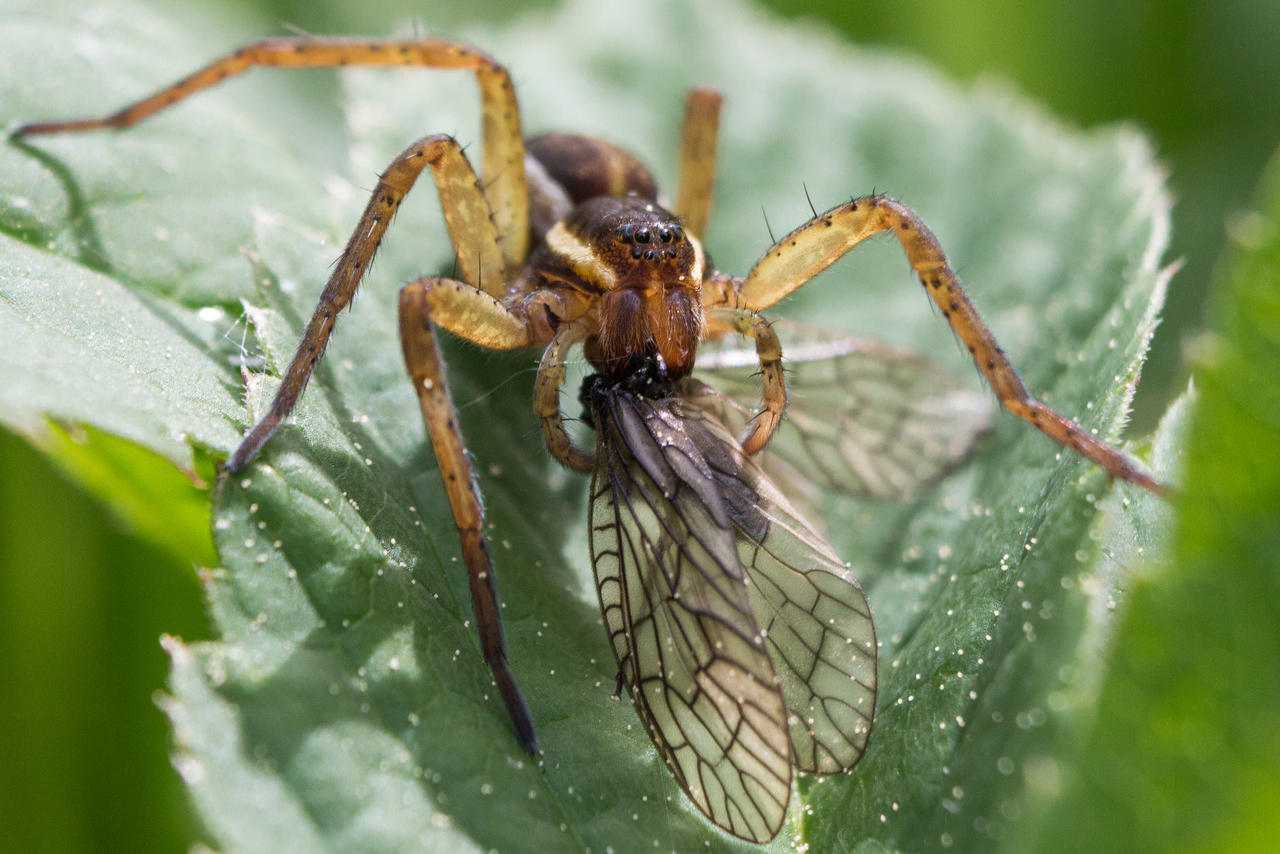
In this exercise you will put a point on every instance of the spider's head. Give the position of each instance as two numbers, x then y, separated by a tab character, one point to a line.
629	242
647	272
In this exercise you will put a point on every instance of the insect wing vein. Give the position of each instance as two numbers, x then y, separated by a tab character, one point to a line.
814	614
680	620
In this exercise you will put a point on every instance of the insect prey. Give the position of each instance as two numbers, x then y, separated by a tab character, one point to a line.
745	643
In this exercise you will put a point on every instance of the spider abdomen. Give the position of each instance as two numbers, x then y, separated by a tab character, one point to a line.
585	167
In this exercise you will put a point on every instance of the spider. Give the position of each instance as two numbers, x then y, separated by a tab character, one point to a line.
563	241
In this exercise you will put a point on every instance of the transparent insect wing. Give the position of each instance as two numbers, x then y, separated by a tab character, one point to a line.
675	604
817	624
863	418
696	552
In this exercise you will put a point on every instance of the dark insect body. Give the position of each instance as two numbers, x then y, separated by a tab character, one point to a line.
744	642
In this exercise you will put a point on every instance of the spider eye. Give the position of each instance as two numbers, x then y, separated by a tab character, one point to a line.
665	234
623	233
636	252
642	235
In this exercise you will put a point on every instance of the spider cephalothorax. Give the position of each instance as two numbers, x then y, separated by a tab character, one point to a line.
630	262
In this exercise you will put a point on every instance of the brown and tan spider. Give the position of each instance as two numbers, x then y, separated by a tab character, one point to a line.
561	241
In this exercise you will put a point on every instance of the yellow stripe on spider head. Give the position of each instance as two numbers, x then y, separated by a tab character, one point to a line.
582	257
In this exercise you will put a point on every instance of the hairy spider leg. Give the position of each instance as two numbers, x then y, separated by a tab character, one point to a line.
468	309
698	138
698	158
546	398
814	246
473	314
470	225
503	156
769	351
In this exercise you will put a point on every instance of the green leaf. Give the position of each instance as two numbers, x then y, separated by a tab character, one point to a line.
345	703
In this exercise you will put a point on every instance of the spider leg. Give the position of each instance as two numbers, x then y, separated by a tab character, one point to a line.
814	246
503	158
698	158
477	316
470	226
769	351
546	400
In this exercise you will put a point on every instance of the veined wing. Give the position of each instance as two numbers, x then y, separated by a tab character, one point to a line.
813	613
745	644
675	604
863	418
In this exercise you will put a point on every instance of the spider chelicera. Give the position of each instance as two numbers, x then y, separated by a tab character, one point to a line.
746	645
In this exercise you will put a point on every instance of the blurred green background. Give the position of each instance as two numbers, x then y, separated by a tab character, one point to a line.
85	595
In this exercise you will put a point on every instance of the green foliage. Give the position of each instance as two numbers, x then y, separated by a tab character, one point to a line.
344	702
82	603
